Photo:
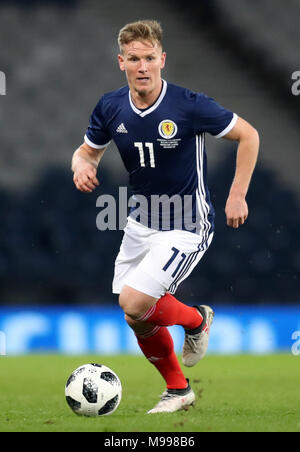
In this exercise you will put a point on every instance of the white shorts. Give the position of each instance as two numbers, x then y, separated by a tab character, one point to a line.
155	262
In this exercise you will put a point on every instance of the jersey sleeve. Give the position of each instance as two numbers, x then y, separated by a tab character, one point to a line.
97	135
211	117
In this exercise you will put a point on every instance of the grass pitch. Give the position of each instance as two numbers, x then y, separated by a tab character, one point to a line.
234	393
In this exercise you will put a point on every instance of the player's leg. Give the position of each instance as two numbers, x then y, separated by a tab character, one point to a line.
154	341
157	345
168	311
167	264
141	295
163	311
195	320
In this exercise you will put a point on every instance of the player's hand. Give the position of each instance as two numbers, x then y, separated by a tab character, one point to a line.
85	178
236	211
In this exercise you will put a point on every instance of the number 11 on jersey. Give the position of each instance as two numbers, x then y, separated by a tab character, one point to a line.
150	147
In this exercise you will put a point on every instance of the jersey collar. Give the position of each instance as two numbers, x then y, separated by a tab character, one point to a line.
154	106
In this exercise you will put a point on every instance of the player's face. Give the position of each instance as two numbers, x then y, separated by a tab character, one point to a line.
142	61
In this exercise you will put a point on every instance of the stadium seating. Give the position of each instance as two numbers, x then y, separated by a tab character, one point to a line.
268	25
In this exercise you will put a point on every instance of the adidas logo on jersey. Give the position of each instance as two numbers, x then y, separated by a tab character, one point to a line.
122	128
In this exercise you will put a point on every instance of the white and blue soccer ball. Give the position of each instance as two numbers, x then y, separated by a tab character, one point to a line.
93	390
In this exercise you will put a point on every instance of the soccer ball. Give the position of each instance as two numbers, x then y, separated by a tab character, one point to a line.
93	390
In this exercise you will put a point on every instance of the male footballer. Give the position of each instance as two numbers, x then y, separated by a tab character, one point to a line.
159	129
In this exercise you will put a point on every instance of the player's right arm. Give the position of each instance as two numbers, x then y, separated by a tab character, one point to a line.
85	162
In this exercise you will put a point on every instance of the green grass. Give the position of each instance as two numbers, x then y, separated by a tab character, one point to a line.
234	393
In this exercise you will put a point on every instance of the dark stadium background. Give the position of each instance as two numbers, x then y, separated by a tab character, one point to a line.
59	57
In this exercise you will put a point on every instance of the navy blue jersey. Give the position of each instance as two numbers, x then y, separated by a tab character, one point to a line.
163	151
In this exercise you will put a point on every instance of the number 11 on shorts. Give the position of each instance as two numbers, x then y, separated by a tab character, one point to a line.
173	257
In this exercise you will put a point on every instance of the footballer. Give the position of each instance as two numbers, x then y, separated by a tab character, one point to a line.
159	129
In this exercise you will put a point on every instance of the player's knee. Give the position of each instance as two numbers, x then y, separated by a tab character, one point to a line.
133	303
130	321
129	306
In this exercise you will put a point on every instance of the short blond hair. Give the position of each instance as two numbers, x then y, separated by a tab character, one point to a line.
142	30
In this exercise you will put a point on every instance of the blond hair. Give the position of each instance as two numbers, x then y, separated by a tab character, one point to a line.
142	30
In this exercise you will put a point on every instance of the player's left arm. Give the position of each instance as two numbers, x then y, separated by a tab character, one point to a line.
236	209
